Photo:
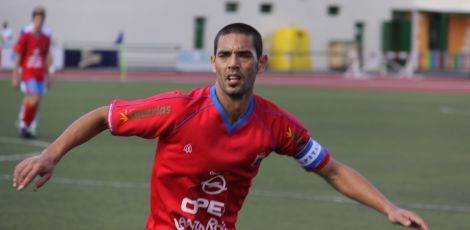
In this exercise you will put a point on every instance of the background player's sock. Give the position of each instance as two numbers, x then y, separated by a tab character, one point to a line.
20	116
34	124
29	113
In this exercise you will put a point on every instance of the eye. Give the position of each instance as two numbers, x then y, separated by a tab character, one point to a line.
245	54
223	54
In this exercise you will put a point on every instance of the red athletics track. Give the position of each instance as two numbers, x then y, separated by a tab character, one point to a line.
450	85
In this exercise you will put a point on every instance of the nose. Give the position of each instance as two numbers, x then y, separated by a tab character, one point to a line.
233	62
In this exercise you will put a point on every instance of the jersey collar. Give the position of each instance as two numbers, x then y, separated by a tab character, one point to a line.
239	123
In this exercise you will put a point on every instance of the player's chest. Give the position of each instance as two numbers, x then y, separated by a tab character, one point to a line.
207	145
37	45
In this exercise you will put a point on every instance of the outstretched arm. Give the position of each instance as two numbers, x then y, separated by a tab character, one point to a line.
15	78
353	185
80	131
49	69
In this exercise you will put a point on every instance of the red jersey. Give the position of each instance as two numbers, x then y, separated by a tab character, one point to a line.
33	49
204	166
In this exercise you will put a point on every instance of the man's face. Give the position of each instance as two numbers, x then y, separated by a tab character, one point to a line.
236	64
38	21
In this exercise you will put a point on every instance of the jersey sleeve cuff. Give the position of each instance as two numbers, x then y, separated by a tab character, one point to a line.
111	127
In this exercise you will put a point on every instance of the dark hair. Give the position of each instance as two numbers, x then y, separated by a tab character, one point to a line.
39	11
241	28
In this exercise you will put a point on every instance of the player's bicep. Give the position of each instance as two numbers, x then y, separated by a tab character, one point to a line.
20	46
147	118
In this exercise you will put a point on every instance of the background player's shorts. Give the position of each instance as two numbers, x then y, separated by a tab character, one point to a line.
33	86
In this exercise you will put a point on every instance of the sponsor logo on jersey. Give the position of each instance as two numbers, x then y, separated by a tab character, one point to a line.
184	223
145	113
214	185
35	60
188	148
124	117
289	133
212	207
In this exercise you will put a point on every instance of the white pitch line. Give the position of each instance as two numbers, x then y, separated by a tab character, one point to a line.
259	193
18	141
453	111
37	143
344	200
16	157
89	182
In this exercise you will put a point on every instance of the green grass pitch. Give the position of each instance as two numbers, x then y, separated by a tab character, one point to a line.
415	147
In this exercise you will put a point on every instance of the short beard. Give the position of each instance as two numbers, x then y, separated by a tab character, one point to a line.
236	96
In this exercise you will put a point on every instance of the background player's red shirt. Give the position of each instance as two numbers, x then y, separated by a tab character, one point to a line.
204	166
33	49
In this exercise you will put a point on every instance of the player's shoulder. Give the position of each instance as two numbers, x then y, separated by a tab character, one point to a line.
28	29
264	105
269	111
174	100
199	93
195	95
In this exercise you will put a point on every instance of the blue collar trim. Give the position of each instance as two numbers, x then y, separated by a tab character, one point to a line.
239	123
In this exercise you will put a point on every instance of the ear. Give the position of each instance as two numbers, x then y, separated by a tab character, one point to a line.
213	63
262	63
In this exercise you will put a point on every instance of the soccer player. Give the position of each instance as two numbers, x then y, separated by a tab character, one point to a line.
32	55
211	143
6	38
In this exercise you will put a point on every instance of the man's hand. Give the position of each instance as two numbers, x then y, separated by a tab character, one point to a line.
28	169
15	81
406	218
354	185
79	132
49	82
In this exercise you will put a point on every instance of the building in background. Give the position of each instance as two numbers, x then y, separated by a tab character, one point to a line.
387	29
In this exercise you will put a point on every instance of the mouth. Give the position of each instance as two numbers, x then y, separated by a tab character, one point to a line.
233	79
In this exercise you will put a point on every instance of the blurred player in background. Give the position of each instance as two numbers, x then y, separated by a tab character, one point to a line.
211	143
6	36
33	56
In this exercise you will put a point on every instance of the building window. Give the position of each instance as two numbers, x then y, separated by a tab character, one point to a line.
231	7
333	10
199	27
402	15
266	8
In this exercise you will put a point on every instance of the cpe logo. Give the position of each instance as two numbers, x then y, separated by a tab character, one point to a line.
215	185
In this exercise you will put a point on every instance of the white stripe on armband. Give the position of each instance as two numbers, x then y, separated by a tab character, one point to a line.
311	156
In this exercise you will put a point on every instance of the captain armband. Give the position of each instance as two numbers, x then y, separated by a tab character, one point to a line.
313	157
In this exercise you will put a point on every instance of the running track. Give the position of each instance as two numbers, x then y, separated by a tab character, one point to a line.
440	85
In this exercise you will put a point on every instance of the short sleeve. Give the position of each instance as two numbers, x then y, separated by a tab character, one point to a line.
294	140
20	45
147	118
48	45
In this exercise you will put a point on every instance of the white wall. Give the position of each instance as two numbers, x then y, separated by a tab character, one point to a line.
172	21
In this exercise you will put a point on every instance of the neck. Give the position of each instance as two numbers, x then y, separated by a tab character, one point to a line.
235	108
